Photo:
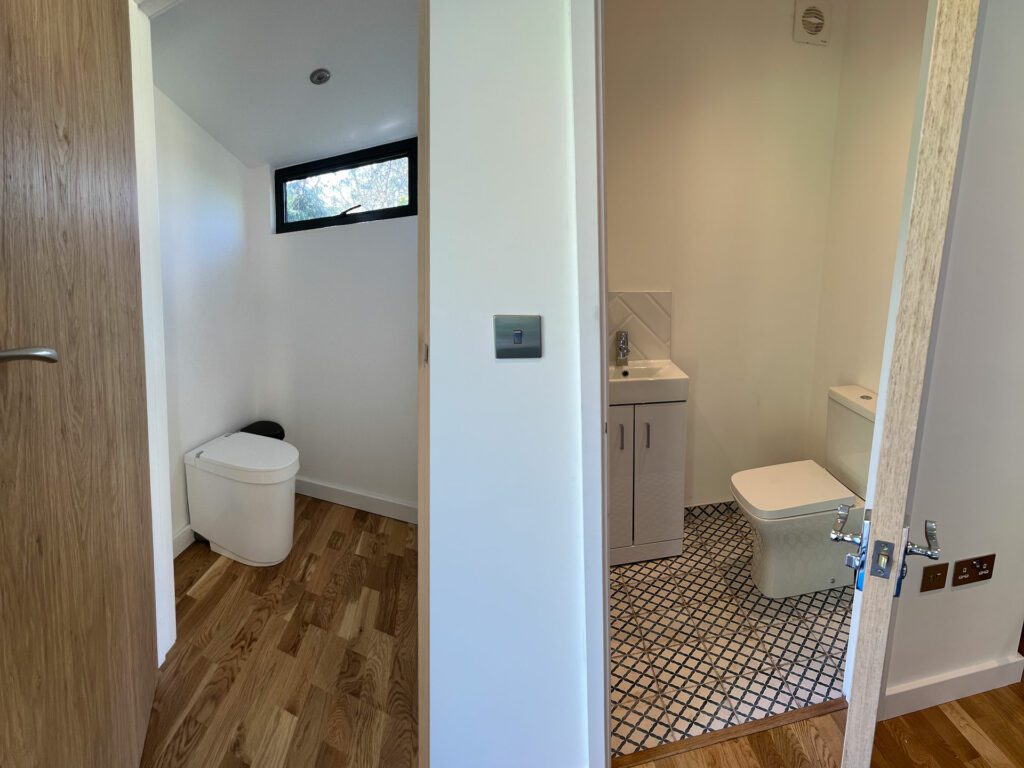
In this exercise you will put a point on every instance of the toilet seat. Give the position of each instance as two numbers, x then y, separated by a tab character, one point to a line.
790	490
247	458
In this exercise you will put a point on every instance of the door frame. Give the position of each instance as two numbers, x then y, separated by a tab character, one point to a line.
947	59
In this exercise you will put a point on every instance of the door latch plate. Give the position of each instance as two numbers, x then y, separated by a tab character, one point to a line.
882	559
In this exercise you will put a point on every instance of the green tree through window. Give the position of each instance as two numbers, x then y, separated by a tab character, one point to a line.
371	187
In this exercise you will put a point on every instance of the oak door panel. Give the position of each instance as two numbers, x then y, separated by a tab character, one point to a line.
77	627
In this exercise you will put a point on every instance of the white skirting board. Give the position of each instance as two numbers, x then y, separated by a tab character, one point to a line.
378	505
182	538
956	684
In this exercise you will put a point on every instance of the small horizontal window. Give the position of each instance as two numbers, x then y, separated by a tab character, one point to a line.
375	183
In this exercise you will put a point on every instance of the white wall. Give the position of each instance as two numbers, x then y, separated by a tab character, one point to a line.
153	325
212	294
507	647
957	642
877	97
342	347
316	330
719	150
761	182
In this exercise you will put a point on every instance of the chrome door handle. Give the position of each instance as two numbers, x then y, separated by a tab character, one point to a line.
842	515
933	550
38	354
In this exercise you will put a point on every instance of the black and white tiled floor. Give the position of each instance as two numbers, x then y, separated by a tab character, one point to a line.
696	647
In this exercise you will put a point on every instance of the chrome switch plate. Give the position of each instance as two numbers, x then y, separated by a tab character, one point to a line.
517	337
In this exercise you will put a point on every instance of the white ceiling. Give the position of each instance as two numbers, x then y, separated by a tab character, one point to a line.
240	68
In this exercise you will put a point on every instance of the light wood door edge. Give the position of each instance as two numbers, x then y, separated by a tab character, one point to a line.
728	734
954	25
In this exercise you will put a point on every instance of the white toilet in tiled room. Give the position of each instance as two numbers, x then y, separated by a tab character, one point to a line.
241	496
792	507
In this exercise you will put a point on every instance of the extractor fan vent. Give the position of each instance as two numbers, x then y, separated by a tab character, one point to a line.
812	22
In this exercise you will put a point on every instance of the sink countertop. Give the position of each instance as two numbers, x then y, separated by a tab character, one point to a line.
647	381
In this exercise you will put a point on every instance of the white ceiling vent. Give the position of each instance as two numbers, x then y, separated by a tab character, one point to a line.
812	22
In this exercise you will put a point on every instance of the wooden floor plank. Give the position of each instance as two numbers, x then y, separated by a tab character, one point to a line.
980	731
312	663
980	740
300	664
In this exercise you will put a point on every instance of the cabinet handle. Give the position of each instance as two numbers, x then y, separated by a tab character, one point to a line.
647	427
622	437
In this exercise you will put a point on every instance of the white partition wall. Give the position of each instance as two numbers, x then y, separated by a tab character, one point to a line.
508	651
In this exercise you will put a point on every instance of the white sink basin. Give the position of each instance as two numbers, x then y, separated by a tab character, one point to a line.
647	381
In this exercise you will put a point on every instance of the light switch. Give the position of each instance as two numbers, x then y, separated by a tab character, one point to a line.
517	336
934	577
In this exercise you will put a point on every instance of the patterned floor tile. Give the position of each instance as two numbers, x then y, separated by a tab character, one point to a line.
681	666
833	632
649	570
667	629
737	654
619	604
624	637
703	586
828	601
696	559
698	709
633	678
759	695
764	611
696	647
656	595
640	725
788	643
722	616
814	680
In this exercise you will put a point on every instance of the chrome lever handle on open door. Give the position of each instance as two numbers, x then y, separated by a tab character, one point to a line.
38	354
837	535
933	550
854	560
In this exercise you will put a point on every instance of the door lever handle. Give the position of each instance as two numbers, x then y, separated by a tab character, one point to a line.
933	550
38	354
837	535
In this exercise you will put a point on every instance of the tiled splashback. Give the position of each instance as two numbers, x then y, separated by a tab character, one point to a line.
648	318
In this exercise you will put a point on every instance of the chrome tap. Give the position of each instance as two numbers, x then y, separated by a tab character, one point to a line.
622	352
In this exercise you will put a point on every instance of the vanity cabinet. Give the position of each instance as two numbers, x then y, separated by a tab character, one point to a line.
646	480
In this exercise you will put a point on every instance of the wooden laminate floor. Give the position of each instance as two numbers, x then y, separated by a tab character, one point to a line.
308	663
983	731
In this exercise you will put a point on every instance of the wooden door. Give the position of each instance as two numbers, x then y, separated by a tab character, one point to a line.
660	435
77	627
620	476
949	48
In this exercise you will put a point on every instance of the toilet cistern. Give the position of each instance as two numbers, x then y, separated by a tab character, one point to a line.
622	350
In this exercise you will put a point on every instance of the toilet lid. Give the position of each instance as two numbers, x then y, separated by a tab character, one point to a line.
249	458
789	490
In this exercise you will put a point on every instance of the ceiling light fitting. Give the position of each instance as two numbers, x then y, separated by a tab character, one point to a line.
319	76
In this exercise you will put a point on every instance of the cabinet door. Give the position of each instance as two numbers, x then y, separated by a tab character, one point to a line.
620	476
660	435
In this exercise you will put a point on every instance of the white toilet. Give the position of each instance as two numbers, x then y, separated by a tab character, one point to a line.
241	496
792	507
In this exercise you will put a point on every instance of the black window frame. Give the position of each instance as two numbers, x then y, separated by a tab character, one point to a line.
394	151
